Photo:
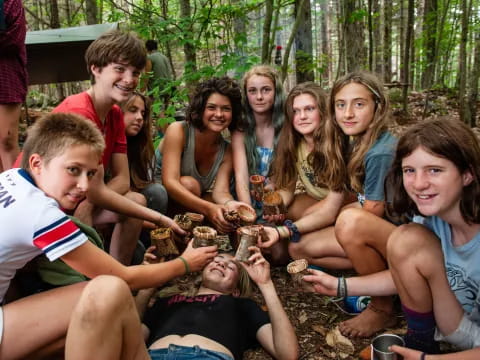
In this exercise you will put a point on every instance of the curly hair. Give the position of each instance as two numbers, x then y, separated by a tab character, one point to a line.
351	170
446	138
277	113
225	86
284	171
116	46
140	150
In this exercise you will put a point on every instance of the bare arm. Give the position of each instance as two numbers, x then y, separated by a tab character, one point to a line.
174	141
278	337
377	284
120	180
324	214
240	166
375	207
410	354
92	261
102	196
221	191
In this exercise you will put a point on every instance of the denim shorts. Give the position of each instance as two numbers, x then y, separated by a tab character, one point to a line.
176	352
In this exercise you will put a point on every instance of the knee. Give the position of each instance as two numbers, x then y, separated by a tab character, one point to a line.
157	197
191	184
104	296
295	250
405	241
137	197
348	225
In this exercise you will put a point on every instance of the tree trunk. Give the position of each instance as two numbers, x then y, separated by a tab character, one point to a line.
303	42
474	77
377	39
401	42
430	40
273	36
462	66
341	25
406	60
168	51
387	41
325	56
289	44
91	11
370	35
188	47
354	36
267	24
54	18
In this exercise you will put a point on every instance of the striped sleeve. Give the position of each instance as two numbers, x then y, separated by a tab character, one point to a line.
58	238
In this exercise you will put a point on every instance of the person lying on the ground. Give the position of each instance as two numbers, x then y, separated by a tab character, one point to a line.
216	323
433	264
61	155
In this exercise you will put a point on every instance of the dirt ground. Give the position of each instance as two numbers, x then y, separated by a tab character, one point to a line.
312	315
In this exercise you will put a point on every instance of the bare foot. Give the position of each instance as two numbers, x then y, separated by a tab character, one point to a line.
367	323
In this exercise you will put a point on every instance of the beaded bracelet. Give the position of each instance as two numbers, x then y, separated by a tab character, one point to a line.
342	287
295	234
187	268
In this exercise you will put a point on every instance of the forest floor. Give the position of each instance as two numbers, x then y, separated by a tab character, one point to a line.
313	315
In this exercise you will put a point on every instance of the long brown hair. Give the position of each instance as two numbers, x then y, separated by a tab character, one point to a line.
284	171
446	138
277	113
338	143
140	149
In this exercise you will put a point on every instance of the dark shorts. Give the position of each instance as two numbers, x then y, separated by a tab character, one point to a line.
176	352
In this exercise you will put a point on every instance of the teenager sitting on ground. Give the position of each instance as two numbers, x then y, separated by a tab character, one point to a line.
254	145
196	157
216	323
434	264
299	149
114	61
140	152
61	157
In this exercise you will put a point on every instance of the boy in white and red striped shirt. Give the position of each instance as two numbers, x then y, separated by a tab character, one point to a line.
61	156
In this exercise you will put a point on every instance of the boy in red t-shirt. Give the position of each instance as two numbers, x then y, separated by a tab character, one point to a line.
115	61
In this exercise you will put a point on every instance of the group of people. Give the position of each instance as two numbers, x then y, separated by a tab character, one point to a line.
401	212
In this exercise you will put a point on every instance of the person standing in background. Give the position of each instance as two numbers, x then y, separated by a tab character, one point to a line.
160	69
13	77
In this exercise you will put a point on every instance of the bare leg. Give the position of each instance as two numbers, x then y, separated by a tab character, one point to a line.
364	236
320	248
36	321
126	231
105	323
300	203
9	118
416	261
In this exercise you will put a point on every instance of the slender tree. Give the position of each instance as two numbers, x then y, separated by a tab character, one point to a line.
303	42
464	110
406	60
429	42
387	41
354	35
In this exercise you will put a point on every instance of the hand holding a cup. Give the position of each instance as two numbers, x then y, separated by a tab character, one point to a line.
257	267
408	354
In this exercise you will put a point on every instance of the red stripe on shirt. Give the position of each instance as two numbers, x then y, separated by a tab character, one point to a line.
58	233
